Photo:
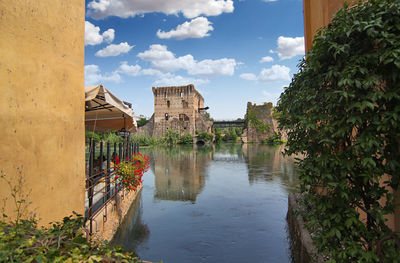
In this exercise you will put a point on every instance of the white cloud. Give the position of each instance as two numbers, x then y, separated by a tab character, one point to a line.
169	79
208	67
93	36
108	35
289	47
196	28
248	76
274	73
93	76
163	59
114	50
129	70
266	59
99	9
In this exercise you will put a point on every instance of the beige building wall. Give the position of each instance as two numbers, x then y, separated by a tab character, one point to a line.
42	104
318	13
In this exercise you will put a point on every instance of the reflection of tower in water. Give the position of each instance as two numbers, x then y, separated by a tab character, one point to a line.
264	162
179	174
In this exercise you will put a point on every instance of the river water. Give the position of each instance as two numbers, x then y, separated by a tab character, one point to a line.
224	203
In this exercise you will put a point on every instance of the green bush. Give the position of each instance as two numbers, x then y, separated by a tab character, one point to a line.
205	136
342	113
218	135
145	140
275	139
170	138
186	139
23	241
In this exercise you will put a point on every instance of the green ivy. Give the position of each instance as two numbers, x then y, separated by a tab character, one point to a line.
23	241
254	122
342	112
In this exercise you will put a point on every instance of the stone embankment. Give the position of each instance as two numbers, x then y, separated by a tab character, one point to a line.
303	248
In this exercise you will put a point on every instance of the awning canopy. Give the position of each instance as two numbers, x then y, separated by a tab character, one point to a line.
105	112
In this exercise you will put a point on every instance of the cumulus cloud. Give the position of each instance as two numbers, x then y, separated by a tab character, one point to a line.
114	50
289	47
131	70
161	78
93	36
169	79
266	59
99	9
164	60
274	73
93	76
248	76
196	28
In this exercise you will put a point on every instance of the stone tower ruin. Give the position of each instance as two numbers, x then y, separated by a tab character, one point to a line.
179	108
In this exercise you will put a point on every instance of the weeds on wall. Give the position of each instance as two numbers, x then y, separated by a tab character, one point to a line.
342	112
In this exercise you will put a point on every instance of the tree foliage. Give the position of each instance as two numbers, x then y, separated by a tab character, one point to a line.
342	112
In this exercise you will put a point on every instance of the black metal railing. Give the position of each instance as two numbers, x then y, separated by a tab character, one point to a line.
101	184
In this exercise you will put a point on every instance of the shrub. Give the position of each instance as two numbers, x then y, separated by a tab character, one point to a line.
22	241
186	139
342	112
207	137
170	138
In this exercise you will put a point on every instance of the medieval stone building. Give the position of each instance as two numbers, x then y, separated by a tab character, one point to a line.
178	108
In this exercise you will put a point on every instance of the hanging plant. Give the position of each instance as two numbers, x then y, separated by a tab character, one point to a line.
130	172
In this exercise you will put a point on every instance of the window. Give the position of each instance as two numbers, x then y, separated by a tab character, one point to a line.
165	95
181	94
168	103
166	116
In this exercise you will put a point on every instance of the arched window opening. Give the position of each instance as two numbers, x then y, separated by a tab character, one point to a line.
166	116
168	103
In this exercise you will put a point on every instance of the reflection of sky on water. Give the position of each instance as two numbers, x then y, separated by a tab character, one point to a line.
222	203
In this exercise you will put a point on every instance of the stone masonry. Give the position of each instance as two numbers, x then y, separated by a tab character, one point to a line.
264	115
178	108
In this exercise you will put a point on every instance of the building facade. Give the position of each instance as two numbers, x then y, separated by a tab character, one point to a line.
42	107
178	108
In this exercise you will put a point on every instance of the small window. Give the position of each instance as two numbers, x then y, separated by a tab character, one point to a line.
165	95
181	94
166	116
168	103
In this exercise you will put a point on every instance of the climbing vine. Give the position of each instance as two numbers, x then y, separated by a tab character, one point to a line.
342	112
254	122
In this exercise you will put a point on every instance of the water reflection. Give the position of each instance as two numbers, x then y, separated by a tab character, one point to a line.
222	203
266	162
180	172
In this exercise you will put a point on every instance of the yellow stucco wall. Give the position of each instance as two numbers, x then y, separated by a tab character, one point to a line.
318	13
42	103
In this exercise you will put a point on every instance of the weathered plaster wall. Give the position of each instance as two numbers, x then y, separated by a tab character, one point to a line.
42	103
318	13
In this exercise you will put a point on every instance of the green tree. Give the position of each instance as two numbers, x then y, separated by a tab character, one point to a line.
141	122
342	113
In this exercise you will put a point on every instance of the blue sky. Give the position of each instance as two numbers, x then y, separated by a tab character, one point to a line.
232	51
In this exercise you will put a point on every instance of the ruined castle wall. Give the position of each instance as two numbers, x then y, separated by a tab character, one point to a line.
176	108
263	115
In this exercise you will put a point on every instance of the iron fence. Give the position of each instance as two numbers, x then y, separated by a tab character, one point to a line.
101	184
